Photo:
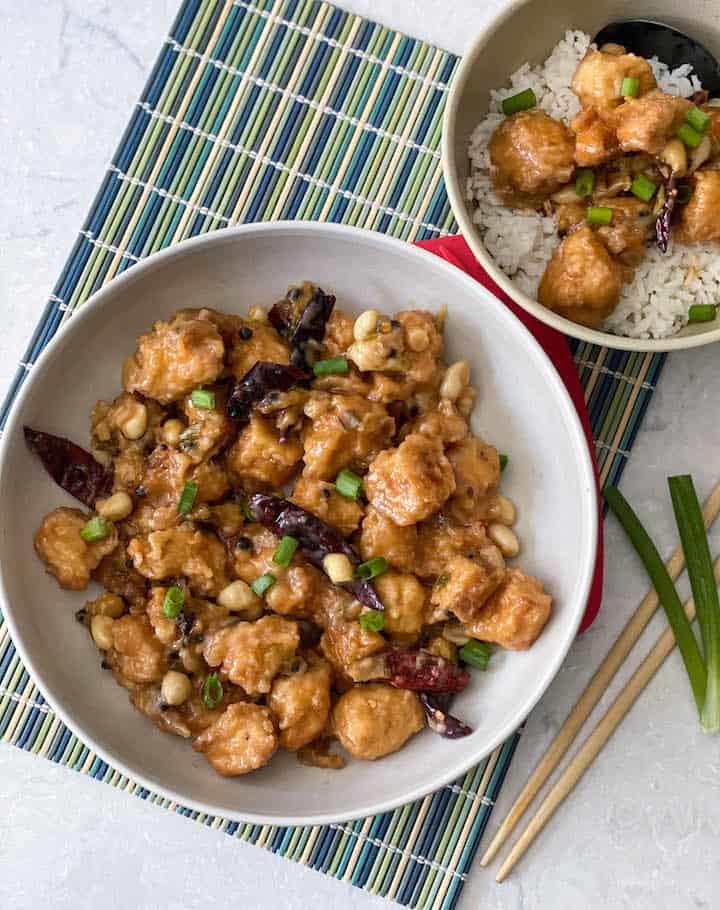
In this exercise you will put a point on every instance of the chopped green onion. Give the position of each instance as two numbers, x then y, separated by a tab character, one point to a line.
584	182
212	692
173	603
630	87
684	193
96	529
476	653
523	101
263	583
331	367
503	461
348	484
599	214
201	398
372	568
689	136
285	551
702	312
187	497
372	621
247	514
698	119
693	537
643	188
666	592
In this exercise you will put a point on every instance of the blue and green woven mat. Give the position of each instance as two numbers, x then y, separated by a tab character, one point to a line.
277	110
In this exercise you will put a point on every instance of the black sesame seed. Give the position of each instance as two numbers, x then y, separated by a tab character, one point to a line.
81	614
413	410
140	490
326	494
164	706
246	333
395	323
185	622
392	352
243	543
162	447
197	638
173	655
104	664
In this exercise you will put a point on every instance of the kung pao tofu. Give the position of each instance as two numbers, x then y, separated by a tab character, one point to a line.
635	165
298	537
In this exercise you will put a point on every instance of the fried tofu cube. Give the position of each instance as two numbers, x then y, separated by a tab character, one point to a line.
262	456
70	559
515	614
700	218
373	719
380	536
241	740
599	77
411	482
466	584
404	599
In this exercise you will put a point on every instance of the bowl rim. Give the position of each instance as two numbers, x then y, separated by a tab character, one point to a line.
467	759
456	194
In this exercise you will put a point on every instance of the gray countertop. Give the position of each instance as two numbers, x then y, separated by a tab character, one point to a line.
641	831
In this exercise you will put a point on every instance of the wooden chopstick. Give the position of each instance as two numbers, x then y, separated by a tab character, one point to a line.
594	691
596	740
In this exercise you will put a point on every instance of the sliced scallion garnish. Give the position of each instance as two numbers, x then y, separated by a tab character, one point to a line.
630	87
476	653
523	101
187	497
666	592
698	119
201	398
285	550
212	692
689	136
584	182
348	484
372	621
702	312
331	367
691	528
503	461
97	528
263	583
599	214
643	188
173	603
372	568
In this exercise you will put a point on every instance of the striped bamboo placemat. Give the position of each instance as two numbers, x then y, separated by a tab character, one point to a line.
280	109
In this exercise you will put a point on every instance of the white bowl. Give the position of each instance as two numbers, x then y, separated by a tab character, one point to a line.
522	407
527	30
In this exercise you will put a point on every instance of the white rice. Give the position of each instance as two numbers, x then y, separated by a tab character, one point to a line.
656	303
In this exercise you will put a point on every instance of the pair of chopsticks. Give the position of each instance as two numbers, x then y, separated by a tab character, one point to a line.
585	704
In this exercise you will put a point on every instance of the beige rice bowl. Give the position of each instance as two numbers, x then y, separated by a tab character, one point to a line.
655	304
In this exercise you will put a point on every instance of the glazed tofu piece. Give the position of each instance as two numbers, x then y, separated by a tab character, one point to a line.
411	482
262	455
167	471
646	124
444	422
532	156
476	466
196	554
301	704
70	559
599	77
252	653
345	641
380	536
346	431
373	719
467	583
595	139
323	500
441	538
515	614
253	341
700	218
241	740
174	358
581	282
404	599
208	429
137	655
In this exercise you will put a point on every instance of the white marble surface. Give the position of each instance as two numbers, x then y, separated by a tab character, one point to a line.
641	831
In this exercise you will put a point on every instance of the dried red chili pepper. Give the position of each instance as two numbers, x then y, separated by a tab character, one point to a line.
70	466
260	379
305	331
422	671
441	721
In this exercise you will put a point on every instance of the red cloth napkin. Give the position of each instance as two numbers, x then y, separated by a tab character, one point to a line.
456	251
